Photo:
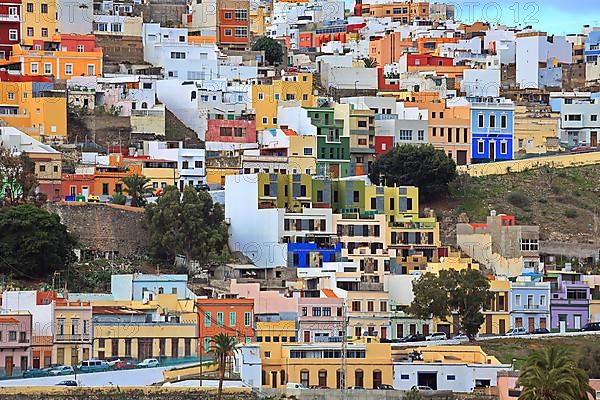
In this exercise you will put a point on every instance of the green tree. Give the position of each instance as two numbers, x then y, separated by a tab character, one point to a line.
462	293
33	242
138	186
551	374
118	198
189	224
18	182
271	47
589	360
370	62
224	347
429	169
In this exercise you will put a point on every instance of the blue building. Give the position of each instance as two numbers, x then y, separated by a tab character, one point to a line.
492	127
139	287
529	304
592	47
312	255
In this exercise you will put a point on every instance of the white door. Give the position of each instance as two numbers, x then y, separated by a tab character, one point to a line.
577	322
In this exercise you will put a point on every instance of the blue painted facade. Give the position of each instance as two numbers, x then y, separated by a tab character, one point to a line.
306	255
529	304
492	127
592	47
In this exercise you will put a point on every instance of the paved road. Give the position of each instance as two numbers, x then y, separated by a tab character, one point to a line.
132	378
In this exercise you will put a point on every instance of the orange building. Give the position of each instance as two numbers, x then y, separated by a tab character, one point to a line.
389	49
77	56
231	316
233	24
449	126
428	45
404	12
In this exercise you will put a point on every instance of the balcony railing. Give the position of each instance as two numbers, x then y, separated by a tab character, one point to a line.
10	18
82	337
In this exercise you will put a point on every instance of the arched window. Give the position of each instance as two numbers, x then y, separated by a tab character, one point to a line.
144	105
304	378
282	377
376	378
322	378
264	377
339	375
359	378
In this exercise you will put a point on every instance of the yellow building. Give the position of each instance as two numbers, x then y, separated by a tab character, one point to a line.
32	108
279	331
162	173
368	313
319	364
536	129
39	21
300	160
257	20
495	312
72	332
455	354
267	95
161	328
454	260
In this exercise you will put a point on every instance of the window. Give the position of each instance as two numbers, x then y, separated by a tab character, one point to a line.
12	336
356	305
542	300
370	306
207	319
421	135
518	300
207	345
316	311
13	34
304	311
480	149
529	245
198	164
451	377
178	55
492	120
327	311
30	31
241	32
44	32
219	319
308	151
11	95
227	32
116	27
91	69
503	121
265	120
247	319
44	8
241	15
232	317
80	48
405	135
227	15
68	69
29	7
47	68
503	147
480	121
261	96
383	306
362	124
593	117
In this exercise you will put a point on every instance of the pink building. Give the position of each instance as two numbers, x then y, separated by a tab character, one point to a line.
320	318
231	131
265	301
15	342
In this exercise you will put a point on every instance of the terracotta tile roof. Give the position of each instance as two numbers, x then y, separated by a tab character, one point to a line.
328	293
8	320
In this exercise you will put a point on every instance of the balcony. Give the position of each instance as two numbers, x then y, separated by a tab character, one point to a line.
10	18
160	112
413	225
82	337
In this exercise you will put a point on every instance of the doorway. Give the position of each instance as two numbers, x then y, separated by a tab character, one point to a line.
427	379
461	157
594	139
577	322
492	148
8	365
501	327
531	322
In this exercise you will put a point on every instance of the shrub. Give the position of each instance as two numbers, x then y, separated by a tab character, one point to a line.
518	199
570	213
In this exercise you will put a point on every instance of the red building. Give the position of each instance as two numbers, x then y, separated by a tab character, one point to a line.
233	317
231	131
417	60
75	184
10	26
383	144
78	43
233	24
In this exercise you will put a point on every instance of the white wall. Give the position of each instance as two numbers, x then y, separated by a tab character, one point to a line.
481	82
43	315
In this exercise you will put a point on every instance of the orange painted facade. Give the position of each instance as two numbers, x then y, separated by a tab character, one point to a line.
233	25
431	45
388	49
232	317
404	12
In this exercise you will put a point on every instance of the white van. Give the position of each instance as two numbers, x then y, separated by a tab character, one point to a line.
94	366
291	385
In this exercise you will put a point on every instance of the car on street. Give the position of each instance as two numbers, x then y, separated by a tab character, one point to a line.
516	332
68	382
356	388
424	389
94	366
539	331
62	370
437	336
149	363
591	326
93	199
413	338
383	386
35	373
120	365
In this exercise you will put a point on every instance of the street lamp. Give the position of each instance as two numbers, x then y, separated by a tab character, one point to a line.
355	88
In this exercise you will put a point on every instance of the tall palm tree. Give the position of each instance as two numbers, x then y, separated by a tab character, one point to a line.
551	374
137	187
370	62
224	346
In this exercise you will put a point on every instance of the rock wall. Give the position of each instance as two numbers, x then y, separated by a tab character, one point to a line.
105	227
149	393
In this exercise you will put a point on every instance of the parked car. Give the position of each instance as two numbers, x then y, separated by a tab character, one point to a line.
424	389
437	336
149	363
356	388
35	373
62	370
93	199
124	365
292	385
591	326
516	332
68	382
413	338
51	367
582	149
383	386
203	186
539	331
94	366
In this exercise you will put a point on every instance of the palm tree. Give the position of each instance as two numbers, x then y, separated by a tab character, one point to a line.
137	187
551	374
224	346
370	62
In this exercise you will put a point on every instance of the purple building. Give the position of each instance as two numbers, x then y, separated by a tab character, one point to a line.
15	342
569	299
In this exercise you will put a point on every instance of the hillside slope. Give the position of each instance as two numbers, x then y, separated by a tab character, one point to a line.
565	203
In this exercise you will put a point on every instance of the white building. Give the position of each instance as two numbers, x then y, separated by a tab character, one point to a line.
535	49
481	82
579	123
191	163
248	364
74	16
